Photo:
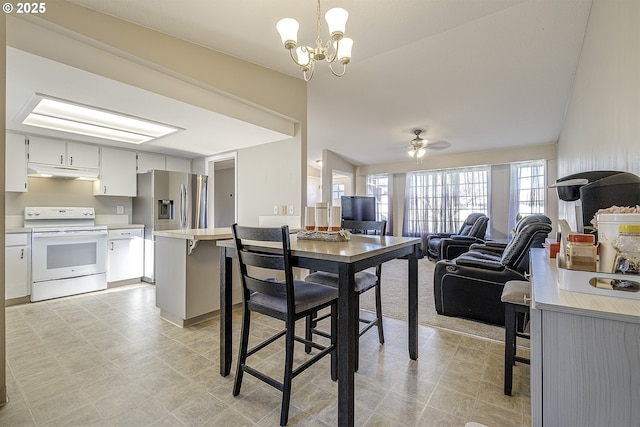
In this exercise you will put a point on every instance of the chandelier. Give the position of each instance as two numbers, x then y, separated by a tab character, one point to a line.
337	49
418	146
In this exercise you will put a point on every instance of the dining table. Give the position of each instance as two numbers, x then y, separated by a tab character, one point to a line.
344	258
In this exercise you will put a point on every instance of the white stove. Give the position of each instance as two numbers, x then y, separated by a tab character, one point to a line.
68	251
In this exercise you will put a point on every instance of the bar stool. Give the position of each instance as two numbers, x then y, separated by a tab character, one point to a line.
516	296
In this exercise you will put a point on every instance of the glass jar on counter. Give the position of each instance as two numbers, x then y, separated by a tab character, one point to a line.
581	253
627	246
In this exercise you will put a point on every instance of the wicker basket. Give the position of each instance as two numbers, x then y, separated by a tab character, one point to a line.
325	236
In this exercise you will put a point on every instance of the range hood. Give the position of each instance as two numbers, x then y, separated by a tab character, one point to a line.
65	172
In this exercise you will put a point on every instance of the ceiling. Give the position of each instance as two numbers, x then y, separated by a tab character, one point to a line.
477	74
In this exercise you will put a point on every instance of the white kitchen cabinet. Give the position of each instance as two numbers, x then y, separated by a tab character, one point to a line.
47	151
16	258
117	173
150	161
62	153
83	155
16	163
125	254
176	164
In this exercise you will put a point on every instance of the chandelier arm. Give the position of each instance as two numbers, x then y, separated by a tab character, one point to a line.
305	50
307	72
344	70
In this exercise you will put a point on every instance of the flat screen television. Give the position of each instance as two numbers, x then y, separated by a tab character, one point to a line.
359	208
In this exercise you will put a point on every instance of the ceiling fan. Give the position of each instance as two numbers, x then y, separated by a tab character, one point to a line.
418	146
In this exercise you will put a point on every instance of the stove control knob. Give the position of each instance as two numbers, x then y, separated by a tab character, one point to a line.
29	213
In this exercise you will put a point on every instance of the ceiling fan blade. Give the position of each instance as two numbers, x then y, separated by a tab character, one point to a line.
437	145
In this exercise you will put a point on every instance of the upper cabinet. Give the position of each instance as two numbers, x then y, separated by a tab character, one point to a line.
62	153
150	161
16	163
117	173
82	155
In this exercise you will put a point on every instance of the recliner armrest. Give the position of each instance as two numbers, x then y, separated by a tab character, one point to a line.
471	261
440	235
466	238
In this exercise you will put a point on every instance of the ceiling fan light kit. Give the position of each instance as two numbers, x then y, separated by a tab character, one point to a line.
418	145
306	56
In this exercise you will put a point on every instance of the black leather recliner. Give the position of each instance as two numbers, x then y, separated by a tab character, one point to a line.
450	245
470	286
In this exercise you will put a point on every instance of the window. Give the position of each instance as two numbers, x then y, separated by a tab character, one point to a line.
527	190
337	191
440	200
378	186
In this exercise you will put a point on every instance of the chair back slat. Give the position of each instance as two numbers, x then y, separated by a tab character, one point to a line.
254	258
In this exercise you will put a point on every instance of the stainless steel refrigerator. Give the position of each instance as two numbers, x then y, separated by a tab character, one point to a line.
168	201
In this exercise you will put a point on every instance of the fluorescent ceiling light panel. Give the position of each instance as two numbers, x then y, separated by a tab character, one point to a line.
67	116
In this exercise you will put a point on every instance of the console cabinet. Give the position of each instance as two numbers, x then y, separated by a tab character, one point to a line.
585	354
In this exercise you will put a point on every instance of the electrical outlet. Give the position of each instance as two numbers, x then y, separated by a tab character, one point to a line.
284	209
290	209
275	209
119	210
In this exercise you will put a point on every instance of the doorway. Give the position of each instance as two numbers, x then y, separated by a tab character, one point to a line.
222	188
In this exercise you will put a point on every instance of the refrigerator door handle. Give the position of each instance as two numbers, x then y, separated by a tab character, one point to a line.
183	206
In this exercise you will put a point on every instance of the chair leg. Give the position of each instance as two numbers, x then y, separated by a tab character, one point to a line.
309	324
379	313
334	341
288	376
509	347
242	352
357	332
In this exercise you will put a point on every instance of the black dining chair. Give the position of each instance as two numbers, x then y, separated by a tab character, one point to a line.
266	252
364	280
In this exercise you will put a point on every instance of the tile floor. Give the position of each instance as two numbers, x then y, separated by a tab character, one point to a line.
107	359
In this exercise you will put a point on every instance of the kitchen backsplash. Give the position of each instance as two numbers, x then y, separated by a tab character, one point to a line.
64	192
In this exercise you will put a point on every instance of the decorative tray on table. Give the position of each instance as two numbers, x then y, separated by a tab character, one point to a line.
325	236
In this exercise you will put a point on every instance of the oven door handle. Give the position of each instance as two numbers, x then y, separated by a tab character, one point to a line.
45	234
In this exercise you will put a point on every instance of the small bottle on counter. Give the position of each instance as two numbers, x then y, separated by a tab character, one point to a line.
582	253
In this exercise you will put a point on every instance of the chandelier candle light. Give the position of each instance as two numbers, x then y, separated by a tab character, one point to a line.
306	56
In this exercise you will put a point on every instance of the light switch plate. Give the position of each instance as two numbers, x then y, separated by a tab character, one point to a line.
284	209
290	209
275	209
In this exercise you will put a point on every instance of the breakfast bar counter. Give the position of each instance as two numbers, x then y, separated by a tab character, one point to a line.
187	274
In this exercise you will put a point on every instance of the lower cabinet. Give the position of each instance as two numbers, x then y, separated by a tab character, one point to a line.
16	258
125	254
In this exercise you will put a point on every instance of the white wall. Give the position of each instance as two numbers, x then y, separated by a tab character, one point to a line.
602	124
272	175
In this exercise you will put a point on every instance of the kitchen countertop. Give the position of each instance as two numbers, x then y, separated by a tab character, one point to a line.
197	234
14	230
121	226
547	295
